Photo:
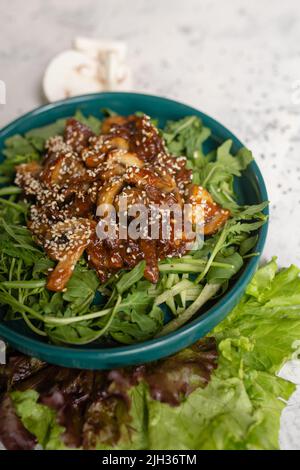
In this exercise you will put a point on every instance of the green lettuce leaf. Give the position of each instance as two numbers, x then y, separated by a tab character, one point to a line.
216	417
241	406
39	419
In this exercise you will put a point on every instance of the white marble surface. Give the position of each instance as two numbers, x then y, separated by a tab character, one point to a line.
289	436
237	61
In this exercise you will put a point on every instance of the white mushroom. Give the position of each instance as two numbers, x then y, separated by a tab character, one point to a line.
95	66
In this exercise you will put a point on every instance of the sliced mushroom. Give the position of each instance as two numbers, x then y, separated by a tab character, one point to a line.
131	196
77	135
109	191
59	277
118	162
62	167
118	143
149	250
102	147
27	177
124	158
93	156
143	177
217	220
65	242
111	121
214	215
70	73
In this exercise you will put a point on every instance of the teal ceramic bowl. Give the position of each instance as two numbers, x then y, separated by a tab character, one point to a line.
250	189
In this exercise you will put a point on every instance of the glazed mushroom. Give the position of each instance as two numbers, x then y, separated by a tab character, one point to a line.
65	242
82	171
145	177
213	214
27	176
109	191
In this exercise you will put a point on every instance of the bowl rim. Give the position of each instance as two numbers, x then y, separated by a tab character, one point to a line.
174	341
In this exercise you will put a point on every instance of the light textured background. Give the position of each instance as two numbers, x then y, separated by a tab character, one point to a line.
237	61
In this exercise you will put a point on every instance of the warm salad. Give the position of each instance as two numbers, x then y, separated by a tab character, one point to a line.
74	286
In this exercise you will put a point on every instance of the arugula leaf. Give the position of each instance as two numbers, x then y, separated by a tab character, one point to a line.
37	137
218	176
218	274
186	136
81	289
233	164
137	319
247	244
90	121
131	277
214	171
17	150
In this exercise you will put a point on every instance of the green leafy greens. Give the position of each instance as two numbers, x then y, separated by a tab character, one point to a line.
127	309
239	408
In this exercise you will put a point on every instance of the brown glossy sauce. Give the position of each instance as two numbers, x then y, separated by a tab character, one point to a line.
81	170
